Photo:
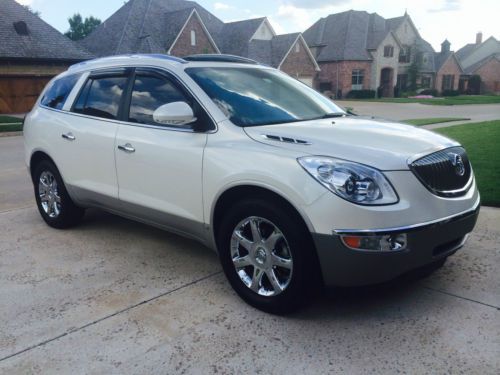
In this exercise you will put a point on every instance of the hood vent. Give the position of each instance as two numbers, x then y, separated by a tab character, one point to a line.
279	138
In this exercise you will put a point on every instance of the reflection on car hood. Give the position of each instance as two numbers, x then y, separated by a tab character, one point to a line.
384	145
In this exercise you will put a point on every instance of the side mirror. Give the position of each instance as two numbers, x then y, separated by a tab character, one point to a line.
174	114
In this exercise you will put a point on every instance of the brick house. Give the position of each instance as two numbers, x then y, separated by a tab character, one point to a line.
31	53
181	28
357	50
483	59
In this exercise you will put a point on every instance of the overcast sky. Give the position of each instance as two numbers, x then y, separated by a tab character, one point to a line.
457	20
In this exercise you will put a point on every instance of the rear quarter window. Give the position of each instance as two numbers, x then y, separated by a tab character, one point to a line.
56	95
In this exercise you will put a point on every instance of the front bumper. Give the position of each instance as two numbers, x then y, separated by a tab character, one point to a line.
427	243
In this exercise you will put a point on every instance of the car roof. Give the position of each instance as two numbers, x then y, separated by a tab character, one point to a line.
172	62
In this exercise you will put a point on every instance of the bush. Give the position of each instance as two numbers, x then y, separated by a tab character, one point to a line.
361	94
432	92
450	93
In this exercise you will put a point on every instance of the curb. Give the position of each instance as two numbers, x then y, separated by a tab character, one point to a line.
11	134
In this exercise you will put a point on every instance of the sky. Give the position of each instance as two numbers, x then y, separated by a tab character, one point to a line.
436	20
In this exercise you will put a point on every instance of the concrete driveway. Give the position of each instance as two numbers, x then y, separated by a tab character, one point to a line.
115	296
405	111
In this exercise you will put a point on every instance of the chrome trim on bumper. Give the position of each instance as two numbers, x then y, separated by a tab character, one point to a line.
408	228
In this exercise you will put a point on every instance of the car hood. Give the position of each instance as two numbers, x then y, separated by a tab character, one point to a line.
384	145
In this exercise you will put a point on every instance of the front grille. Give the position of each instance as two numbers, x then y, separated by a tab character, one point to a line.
446	173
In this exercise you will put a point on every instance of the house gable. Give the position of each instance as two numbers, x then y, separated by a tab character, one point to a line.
489	47
264	31
193	38
299	56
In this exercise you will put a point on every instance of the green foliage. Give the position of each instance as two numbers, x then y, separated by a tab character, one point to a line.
432	92
35	12
361	94
9	119
450	93
481	142
80	28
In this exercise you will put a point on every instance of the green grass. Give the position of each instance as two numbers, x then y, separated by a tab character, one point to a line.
9	119
481	141
11	128
451	100
436	120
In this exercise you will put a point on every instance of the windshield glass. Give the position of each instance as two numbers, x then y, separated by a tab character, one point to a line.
257	96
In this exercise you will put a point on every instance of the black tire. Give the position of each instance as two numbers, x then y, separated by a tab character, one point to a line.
305	276
68	214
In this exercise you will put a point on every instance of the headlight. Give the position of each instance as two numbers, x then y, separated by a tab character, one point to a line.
354	182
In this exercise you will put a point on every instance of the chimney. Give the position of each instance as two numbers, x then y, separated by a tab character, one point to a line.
479	38
445	46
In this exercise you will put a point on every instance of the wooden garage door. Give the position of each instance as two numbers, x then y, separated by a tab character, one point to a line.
18	94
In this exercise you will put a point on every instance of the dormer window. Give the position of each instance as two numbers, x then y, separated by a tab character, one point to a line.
388	51
193	38
21	28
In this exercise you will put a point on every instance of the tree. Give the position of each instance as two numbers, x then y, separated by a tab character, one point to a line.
30	9
80	28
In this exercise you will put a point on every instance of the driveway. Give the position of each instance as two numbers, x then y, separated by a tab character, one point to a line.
115	296
405	111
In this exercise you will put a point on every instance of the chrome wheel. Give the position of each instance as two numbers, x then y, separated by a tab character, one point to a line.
50	200
261	256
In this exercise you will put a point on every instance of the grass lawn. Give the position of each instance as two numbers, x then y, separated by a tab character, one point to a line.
9	119
451	100
436	120
11	128
481	141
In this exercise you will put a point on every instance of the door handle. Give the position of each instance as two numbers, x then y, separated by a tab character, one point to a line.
68	136
126	148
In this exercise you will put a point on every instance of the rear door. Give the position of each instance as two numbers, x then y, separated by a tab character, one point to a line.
160	167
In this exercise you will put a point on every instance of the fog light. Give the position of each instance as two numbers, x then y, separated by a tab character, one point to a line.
390	242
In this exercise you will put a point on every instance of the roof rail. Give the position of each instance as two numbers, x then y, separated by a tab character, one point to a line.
220	58
130	56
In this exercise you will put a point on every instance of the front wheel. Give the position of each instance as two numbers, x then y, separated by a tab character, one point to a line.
267	256
52	198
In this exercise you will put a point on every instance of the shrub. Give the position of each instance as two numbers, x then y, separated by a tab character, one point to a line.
432	92
361	94
450	93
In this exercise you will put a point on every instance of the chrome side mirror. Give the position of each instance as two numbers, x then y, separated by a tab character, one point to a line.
174	114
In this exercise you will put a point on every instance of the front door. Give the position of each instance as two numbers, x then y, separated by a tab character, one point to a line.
386	82
159	168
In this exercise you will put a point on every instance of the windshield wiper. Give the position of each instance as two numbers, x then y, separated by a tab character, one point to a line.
333	115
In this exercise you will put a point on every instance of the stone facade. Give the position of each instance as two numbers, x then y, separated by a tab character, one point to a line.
183	45
336	77
490	76
450	67
298	63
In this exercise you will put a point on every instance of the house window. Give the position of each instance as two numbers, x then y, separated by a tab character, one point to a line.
297	47
448	82
425	82
388	51
193	37
402	82
357	79
405	54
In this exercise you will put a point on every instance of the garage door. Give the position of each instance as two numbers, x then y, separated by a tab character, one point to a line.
18	94
307	80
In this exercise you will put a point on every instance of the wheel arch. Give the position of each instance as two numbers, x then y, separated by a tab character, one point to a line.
37	157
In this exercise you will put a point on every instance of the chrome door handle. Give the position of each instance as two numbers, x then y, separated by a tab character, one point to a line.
68	136
127	148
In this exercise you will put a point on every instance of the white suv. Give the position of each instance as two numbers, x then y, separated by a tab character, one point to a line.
290	190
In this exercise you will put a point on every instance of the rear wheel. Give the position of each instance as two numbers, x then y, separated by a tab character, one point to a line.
53	201
267	256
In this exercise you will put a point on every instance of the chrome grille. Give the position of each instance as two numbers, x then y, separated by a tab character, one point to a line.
445	173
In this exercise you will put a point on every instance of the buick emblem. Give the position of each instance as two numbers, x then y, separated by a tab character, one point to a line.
458	164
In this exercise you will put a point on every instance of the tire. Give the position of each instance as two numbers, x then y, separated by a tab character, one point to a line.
289	259
52	199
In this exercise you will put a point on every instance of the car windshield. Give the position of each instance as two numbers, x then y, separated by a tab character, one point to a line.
261	96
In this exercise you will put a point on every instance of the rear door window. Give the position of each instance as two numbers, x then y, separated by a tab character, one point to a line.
56	95
101	96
